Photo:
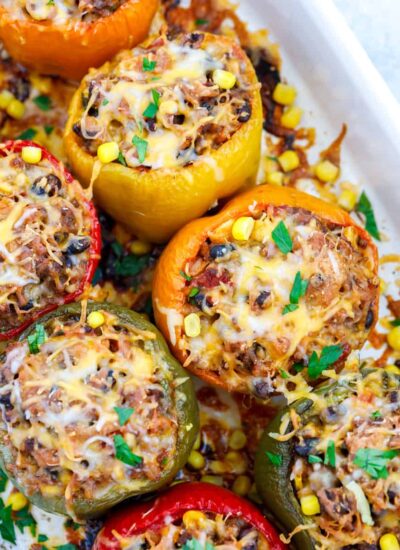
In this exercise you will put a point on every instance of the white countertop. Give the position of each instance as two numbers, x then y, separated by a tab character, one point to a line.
376	24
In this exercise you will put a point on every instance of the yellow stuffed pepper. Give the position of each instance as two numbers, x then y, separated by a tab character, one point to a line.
167	129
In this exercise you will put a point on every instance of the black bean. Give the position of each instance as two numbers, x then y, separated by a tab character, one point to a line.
27	306
77	129
394	396
220	250
6	401
307	446
369	319
178	119
46	185
77	246
262	297
263	389
244	112
21	88
331	414
29	444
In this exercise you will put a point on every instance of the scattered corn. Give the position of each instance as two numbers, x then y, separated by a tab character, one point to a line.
95	319
108	152
16	109
310	505
242	228
217	467
17	501
192	325
347	199
194	517
326	171
224	79
393	338
291	117
275	178
5	99
5	188
237	440
241	485
215	480
389	542
284	94
393	369
289	160
168	107
237	462
65	476
51	490
196	460
140	248
31	155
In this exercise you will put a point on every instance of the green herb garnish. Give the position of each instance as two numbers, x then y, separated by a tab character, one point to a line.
200	22
329	356
365	207
193	292
374	461
376	415
124	414
123	452
37	338
148	65
7	529
141	147
23	518
185	276
314	459
395	323
289	308
330	455
29	133
298	290
3	481
121	159
48	129
152	108
284	374
274	458
43	102
282	239
42	538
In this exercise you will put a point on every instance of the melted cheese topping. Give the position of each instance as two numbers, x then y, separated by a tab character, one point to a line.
247	336
44	238
204	530
63	409
161	105
60	12
358	506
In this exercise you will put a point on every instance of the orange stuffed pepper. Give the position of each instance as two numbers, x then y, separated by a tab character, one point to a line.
167	129
276	288
67	37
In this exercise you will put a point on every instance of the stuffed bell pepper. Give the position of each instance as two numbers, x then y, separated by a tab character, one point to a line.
331	464
67	37
279	285
189	516
166	129
94	410
49	236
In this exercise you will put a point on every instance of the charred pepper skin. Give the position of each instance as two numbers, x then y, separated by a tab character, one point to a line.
69	50
95	236
187	412
173	503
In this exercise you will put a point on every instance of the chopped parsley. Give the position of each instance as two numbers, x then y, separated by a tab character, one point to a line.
29	133
7	529
274	458
314	459
330	455
23	518
42	538
193	292
123	452
374	461
298	290
152	108
121	159
194	544
48	129
148	65
141	147
376	415
3	480
124	414
43	102
37	338
298	367
185	276
282	239
395	323
200	22
365	207
289	308
130	265
329	356
284	374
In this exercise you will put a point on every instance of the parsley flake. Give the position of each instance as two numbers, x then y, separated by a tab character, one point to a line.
48	129
121	159
314	459
185	275
124	414
152	108
395	323
330	455
365	207
329	356
289	308
23	518
200	22
29	133
42	538
374	461
7	529
3	480
274	458
148	65
141	147
299	288
376	415
123	452
37	338
193	292
43	102
282	238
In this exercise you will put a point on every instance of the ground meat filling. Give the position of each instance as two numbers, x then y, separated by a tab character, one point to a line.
61	11
45	238
263	312
348	449
164	104
89	410
201	530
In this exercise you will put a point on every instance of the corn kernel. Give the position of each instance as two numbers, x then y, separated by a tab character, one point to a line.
237	440
193	517
393	369
388	541
382	285
95	319
224	79
140	248
108	152
291	117
31	155
168	107
298	482
237	462
51	490
326	171
241	485
196	460
310	505
217	467
5	188
215	480
289	160
192	325
17	501
5	99
284	94
393	338
347	199
65	477
275	178
16	109
242	228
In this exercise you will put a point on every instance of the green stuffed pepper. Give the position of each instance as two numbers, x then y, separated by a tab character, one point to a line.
94	410
328	467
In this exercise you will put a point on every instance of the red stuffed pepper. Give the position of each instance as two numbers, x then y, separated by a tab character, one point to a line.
49	236
190	515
